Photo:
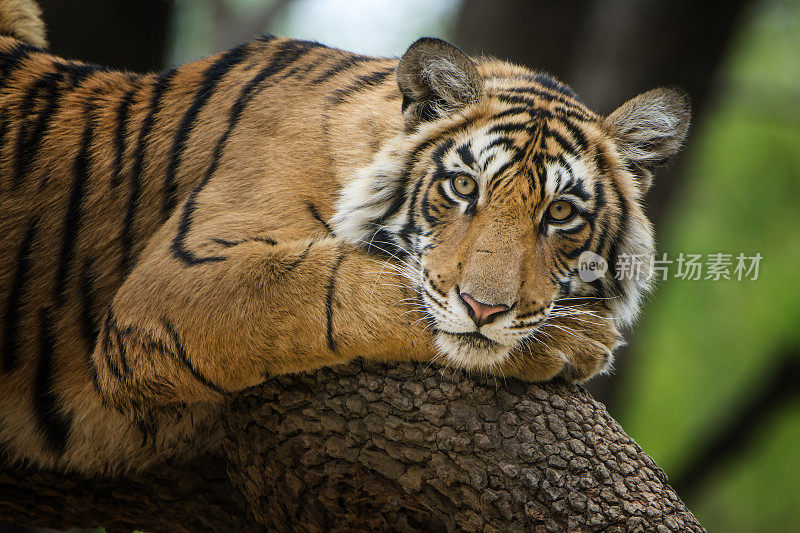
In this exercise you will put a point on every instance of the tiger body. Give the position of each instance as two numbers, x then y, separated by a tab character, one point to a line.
170	238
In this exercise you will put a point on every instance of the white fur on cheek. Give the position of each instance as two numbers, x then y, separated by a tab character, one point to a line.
637	241
368	196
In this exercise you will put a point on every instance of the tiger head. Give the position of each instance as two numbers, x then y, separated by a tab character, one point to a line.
499	185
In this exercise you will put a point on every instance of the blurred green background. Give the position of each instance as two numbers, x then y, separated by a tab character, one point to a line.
709	383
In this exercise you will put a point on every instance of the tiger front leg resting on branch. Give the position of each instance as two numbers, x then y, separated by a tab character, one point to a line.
184	333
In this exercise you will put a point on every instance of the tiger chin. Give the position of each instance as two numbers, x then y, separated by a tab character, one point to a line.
172	238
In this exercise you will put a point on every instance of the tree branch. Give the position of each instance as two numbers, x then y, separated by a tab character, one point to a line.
360	443
401	448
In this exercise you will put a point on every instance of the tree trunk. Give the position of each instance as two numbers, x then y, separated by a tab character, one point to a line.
369	447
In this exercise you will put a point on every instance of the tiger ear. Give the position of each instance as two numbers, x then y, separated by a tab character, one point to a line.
649	129
436	79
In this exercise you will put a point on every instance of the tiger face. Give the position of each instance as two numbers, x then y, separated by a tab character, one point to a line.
501	181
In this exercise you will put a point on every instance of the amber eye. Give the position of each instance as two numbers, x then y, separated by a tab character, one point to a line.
464	186
560	210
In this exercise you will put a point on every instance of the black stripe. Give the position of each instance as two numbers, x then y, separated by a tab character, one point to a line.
553	84
547	83
569	109
612	252
298	72
505	142
329	295
318	217
300	258
89	325
77	72
13	60
4	127
439	153
434	300
95	378
340	66
180	355
445	197
53	421
464	151
577	134
49	89
382	243
572	231
13	314
511	111
227	244
436	289
410	227
159	87
109	328
513	127
72	222
426	208
30	135
211	77
564	287
362	82
122	350
560	140
519	95
265	38
505	166
287	53
120	133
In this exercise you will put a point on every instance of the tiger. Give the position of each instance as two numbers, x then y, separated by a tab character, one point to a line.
171	238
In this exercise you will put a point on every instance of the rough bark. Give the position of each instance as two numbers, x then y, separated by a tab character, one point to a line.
367	446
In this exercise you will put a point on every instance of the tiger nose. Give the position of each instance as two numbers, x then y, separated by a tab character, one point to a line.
482	313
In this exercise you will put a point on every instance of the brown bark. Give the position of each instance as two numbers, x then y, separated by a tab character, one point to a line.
366	446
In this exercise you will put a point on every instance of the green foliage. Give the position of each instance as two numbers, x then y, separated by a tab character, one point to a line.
705	346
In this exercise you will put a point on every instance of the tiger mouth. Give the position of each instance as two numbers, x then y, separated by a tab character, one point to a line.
474	339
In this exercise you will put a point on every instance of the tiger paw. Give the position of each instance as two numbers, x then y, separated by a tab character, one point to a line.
585	344
573	348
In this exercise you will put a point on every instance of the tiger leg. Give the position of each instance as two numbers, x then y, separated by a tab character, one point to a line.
574	347
186	333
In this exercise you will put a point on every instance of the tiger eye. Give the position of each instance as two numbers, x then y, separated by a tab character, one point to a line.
560	210
464	185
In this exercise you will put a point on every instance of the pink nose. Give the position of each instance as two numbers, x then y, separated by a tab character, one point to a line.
482	313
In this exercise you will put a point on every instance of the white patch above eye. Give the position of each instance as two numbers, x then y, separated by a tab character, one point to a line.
559	176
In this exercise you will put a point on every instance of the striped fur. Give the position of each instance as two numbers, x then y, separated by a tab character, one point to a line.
170	238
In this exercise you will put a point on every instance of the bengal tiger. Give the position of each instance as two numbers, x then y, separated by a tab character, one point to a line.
169	239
